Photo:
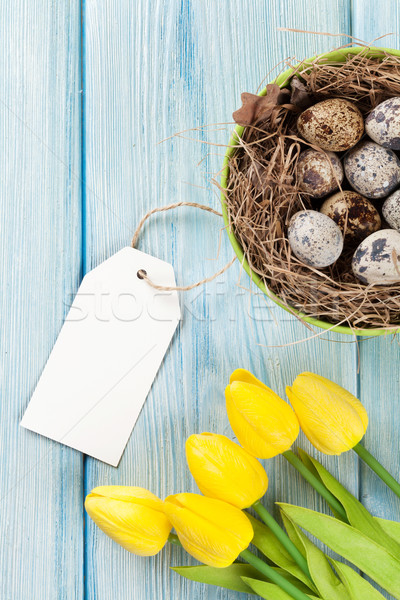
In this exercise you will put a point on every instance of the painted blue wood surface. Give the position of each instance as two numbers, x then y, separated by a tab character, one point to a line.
379	378
72	191
41	549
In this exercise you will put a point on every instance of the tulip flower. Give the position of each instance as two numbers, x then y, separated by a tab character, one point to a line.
132	516
264	424
215	533
225	471
333	420
212	531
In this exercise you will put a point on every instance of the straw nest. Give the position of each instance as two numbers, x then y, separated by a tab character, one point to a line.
262	193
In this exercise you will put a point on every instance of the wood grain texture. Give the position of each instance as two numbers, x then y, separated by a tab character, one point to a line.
379	376
376	24
41	550
151	70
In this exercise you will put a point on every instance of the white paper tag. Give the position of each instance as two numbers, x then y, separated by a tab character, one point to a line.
106	357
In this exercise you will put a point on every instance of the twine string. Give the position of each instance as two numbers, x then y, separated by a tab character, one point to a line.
143	275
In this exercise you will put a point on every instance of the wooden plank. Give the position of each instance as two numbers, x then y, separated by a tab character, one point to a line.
367	27
153	69
379	380
41	553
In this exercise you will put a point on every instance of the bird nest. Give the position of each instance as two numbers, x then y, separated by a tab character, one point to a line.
262	194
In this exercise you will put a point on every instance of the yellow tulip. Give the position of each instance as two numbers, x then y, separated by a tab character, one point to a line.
212	531
224	470
264	424
132	516
333	419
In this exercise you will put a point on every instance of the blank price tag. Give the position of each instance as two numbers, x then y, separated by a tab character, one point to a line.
106	357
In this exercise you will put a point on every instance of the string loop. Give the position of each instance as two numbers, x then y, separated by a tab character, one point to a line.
143	274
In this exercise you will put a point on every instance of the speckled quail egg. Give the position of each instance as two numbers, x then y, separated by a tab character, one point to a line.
383	124
391	210
356	216
372	171
319	173
314	238
335	124
377	258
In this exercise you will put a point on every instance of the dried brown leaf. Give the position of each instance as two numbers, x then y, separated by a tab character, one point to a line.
255	108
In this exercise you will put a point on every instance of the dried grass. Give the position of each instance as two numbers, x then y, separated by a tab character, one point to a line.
262	195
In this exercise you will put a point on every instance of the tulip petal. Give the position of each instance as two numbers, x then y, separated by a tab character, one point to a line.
127	493
345	394
224	470
212	531
247	377
332	419
137	527
264	424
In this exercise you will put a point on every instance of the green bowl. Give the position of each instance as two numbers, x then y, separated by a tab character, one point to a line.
338	56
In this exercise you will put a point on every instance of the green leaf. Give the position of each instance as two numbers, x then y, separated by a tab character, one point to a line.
355	584
293	533
303	588
357	514
272	548
392	528
229	577
328	585
352	544
307	462
269	591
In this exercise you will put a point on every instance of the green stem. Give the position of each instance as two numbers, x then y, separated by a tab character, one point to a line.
378	468
273	576
282	537
316	483
173	539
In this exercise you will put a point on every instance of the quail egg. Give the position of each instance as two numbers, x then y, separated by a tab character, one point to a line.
377	258
372	171
356	216
319	173
383	124
314	238
335	124
391	210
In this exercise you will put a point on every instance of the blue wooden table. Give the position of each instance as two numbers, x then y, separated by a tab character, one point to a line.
88	90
